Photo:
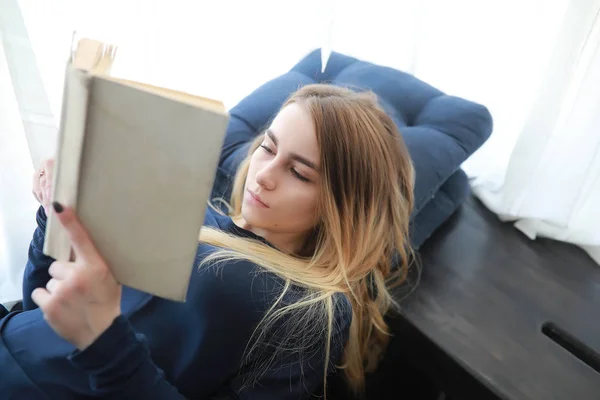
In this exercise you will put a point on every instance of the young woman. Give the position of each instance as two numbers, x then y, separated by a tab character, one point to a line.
290	287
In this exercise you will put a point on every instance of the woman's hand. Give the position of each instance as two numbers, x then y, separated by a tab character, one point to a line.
42	183
83	298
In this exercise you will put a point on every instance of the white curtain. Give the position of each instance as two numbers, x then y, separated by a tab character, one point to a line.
551	185
534	63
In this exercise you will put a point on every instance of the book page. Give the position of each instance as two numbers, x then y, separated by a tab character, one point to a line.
213	105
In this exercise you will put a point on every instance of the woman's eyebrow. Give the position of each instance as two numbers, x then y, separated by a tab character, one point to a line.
293	156
272	136
304	161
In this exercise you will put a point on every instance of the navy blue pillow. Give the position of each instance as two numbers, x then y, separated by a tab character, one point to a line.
440	131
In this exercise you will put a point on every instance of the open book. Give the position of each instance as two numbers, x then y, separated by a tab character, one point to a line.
137	163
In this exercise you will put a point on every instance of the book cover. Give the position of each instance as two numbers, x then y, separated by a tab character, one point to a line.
137	163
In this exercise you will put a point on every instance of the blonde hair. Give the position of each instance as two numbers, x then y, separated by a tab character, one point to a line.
365	202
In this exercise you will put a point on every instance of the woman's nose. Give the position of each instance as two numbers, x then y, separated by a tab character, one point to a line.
266	178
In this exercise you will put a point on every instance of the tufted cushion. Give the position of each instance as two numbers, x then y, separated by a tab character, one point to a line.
440	131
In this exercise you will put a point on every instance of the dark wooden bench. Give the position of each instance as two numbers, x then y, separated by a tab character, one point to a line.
496	315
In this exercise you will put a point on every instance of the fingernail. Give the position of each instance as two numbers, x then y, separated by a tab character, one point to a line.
57	207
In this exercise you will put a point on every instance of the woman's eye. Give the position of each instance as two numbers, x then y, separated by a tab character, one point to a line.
265	148
294	172
297	175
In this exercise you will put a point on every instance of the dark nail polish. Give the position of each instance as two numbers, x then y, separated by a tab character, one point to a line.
57	207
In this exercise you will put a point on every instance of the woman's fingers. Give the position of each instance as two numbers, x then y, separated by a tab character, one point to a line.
82	298
42	183
41	297
83	304
84	248
52	285
43	191
59	270
36	188
48	174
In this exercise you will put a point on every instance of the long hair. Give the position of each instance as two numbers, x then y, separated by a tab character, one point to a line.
365	202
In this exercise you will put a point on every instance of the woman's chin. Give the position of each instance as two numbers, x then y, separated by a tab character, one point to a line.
252	215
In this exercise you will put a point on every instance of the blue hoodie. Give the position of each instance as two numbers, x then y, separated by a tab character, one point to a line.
161	349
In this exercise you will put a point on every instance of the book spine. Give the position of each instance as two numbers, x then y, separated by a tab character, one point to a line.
68	158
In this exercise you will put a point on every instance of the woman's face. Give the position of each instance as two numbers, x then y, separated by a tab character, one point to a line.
282	185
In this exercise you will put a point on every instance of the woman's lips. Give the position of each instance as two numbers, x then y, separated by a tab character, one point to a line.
255	199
